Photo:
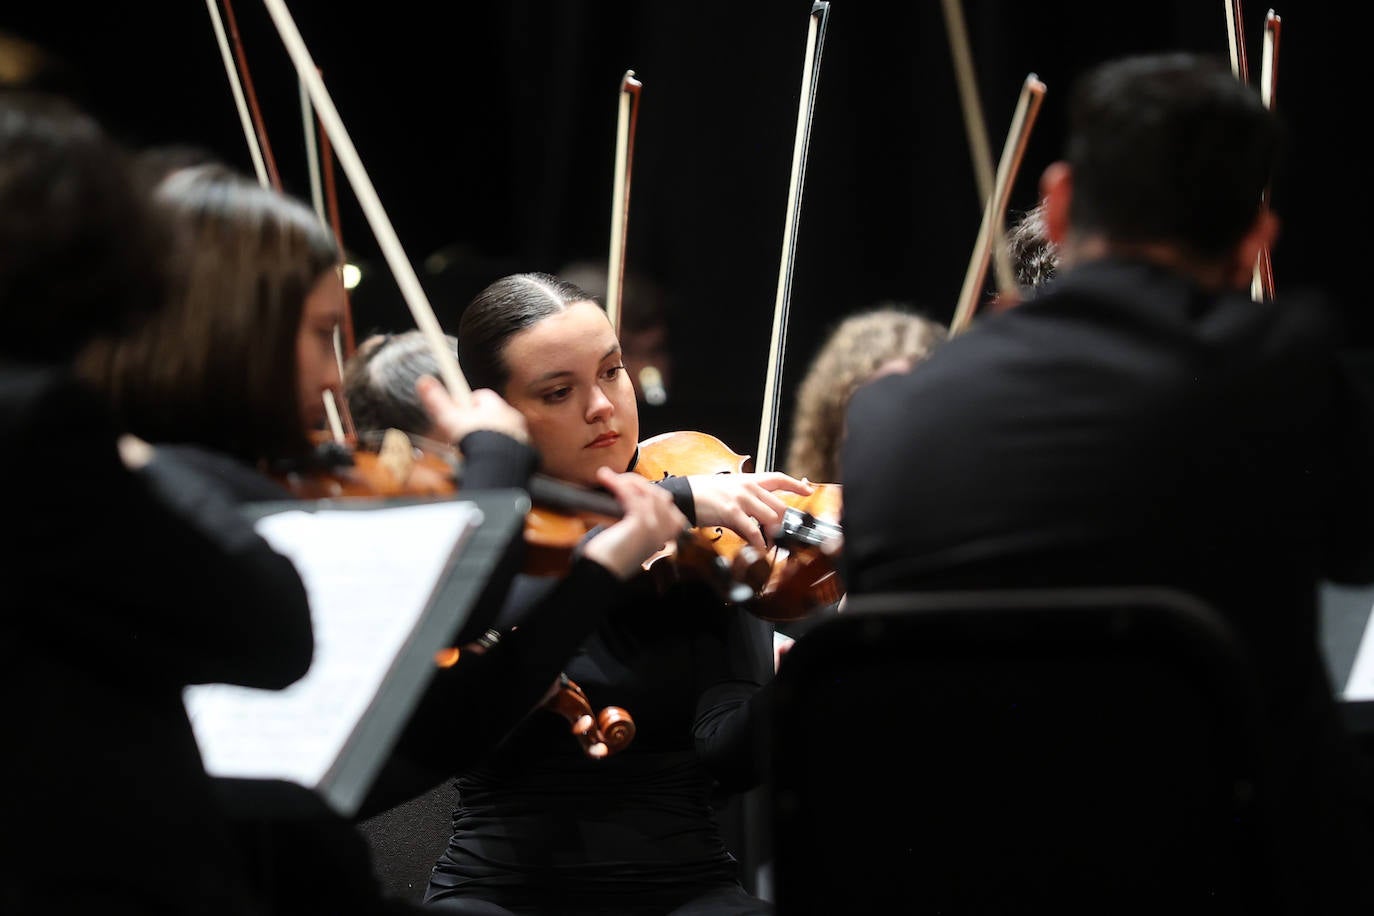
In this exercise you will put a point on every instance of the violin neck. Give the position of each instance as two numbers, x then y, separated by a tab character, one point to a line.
552	493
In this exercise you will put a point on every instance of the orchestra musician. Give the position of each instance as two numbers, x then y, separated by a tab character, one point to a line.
227	381
1139	420
130	591
539	828
859	346
1034	257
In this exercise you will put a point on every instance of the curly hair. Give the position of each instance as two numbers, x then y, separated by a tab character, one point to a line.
858	347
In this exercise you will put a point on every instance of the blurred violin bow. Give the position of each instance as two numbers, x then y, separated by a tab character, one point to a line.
990	240
1262	280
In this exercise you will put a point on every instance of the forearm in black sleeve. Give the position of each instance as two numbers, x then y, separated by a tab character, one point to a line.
227	607
493	461
470	707
734	710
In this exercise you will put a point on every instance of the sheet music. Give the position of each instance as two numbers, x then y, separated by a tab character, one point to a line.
369	575
1360	685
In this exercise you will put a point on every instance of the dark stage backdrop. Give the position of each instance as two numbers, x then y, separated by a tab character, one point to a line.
488	130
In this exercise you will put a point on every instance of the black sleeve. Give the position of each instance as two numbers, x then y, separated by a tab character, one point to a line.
471	706
681	489
166	582
493	461
240	603
734	706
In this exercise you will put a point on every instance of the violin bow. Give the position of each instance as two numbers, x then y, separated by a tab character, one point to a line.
993	192
371	204
627	121
1262	282
322	197
990	236
811	71
254	131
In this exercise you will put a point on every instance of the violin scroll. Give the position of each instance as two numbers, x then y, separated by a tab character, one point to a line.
600	734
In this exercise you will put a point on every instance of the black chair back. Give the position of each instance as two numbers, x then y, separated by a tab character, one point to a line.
1031	751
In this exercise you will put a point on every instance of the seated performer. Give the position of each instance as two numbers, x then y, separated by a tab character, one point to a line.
1141	421
539	828
121	593
227	384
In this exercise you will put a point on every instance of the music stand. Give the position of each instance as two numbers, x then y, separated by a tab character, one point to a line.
249	737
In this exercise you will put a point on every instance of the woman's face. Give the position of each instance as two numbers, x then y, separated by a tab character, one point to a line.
317	366
568	379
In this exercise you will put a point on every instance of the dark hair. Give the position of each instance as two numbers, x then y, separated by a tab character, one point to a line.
1169	147
501	311
218	366
82	251
379	381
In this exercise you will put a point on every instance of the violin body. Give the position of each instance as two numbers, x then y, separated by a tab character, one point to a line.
799	573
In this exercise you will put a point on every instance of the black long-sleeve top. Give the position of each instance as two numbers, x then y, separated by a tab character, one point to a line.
117	597
541	825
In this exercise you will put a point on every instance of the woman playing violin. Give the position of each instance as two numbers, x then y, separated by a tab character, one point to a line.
227	382
540	828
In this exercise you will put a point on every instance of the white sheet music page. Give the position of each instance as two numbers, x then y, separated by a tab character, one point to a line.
369	575
1360	684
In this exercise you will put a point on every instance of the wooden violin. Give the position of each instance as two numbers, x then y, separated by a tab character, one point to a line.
799	573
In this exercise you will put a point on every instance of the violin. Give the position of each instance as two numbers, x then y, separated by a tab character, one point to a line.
802	574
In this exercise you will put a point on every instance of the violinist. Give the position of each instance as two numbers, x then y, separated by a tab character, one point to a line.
1141	421
858	347
539	828
120	593
389	383
226	383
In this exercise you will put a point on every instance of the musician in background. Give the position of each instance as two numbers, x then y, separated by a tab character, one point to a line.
887	337
1142	421
121	593
1034	257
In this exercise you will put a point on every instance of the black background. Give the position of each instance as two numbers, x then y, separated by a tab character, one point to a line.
488	131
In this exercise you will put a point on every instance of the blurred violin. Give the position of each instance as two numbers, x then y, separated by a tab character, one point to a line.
373	466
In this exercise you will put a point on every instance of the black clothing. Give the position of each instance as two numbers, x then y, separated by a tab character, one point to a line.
542	828
119	598
1126	427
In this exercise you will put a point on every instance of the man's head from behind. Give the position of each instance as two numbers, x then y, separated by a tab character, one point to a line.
1166	149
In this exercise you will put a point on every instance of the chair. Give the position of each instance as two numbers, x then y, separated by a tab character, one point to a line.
406	840
1031	751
